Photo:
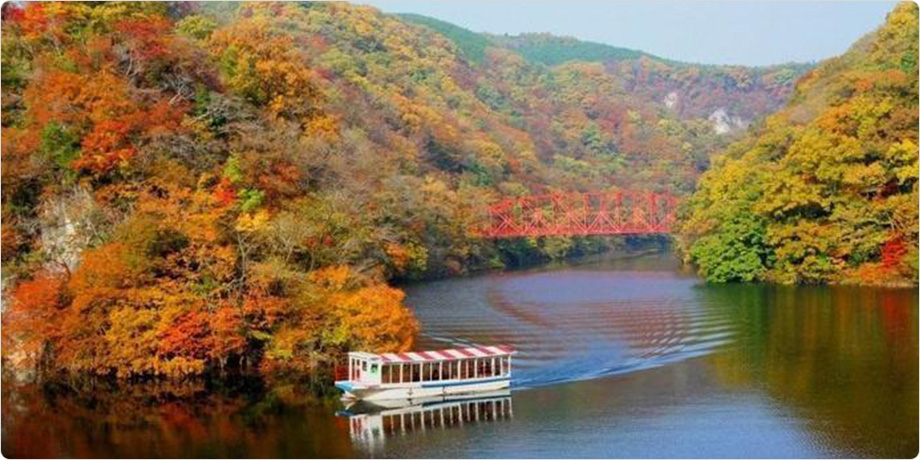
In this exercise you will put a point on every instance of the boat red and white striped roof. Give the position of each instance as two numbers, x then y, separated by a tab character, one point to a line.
441	355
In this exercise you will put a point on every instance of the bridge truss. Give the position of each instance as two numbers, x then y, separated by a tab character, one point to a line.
570	214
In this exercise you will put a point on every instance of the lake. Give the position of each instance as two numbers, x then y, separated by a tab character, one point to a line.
617	358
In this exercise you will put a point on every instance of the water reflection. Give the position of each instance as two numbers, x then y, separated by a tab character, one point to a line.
370	424
843	358
644	361
782	371
187	419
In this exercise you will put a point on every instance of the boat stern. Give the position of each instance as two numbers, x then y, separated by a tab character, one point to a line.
350	389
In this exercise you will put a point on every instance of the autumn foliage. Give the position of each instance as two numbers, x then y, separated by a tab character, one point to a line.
826	190
196	188
178	273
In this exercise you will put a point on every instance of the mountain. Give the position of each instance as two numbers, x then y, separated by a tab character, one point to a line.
553	50
471	44
192	188
729	97
826	189
200	187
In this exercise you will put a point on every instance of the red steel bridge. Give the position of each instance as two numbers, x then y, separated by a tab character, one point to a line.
623	212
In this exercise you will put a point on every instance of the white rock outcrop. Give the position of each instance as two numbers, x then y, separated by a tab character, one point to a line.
723	123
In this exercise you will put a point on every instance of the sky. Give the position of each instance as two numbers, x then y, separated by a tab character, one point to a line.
710	32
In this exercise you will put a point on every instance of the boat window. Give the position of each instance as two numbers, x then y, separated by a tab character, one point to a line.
385	374
416	372
373	368
364	365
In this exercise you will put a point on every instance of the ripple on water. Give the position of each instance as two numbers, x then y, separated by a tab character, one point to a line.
574	324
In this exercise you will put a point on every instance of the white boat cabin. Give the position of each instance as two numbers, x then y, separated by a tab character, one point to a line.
426	373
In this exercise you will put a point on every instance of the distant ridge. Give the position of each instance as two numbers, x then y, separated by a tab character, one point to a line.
729	96
552	50
472	44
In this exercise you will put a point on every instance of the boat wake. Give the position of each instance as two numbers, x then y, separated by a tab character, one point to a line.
575	324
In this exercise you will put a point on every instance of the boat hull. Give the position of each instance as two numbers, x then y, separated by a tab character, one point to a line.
355	407
420	390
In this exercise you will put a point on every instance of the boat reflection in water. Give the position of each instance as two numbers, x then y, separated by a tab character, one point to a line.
371	423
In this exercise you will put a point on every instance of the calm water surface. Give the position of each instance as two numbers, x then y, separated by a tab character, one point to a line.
628	358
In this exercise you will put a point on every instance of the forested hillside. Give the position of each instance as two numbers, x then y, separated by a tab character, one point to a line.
192	187
826	189
728	97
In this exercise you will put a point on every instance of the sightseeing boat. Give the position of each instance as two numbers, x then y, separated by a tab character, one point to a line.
423	374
